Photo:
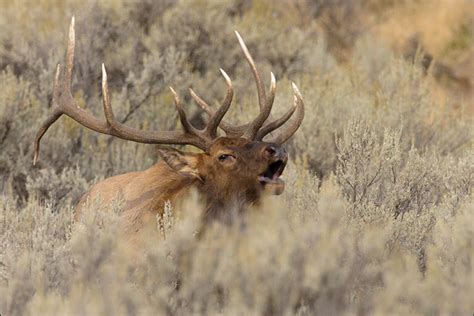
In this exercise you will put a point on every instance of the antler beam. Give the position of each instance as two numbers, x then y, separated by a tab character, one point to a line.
64	103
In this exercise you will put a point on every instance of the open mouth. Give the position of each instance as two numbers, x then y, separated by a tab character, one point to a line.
270	178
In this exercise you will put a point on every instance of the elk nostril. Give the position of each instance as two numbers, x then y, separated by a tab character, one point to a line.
271	151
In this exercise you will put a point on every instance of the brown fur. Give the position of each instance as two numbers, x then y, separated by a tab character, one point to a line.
225	187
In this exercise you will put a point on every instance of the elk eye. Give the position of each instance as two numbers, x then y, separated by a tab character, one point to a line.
224	157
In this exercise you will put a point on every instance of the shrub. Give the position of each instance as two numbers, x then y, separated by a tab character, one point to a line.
377	214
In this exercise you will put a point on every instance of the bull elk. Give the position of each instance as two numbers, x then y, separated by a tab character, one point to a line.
231	172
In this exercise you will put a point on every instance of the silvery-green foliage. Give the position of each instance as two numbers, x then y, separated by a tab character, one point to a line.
166	221
377	213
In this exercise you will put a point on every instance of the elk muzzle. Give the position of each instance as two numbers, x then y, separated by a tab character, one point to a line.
277	158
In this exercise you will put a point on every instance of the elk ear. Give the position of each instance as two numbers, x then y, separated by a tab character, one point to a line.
184	163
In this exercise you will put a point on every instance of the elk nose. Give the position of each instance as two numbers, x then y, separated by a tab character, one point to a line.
272	151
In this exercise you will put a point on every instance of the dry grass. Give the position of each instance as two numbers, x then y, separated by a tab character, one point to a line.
377	216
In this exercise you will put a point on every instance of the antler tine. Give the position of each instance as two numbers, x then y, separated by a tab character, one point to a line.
262	100
109	114
116	128
264	103
182	114
217	117
66	85
295	124
50	120
268	128
202	104
257	123
271	94
229	129
57	108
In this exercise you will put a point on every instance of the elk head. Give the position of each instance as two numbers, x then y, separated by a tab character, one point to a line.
240	166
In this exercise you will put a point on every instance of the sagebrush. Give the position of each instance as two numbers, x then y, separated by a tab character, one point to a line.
377	217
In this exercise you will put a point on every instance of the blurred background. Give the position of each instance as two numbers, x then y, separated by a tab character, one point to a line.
386	142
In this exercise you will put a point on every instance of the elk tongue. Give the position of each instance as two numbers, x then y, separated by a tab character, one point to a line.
272	186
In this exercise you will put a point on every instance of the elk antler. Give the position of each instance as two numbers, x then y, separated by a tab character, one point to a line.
63	103
258	128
